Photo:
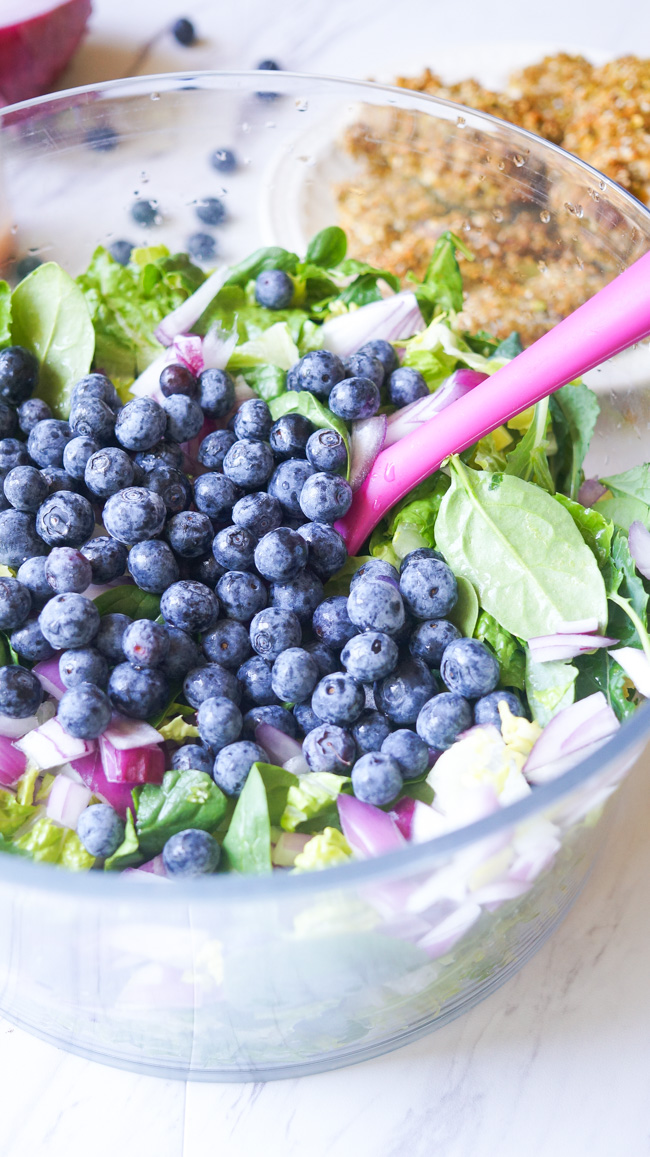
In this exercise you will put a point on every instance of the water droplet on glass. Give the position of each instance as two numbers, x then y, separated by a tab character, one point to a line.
245	128
302	104
542	266
519	160
602	186
579	211
497	214
545	216
389	473
569	207
461	122
501	165
155	96
376	503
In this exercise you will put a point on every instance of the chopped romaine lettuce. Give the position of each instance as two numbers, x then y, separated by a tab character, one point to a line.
47	843
247	845
128	852
324	850
311	803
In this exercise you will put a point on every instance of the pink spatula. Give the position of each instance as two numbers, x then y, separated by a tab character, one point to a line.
612	320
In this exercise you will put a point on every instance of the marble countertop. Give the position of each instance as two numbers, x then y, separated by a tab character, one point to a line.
555	1063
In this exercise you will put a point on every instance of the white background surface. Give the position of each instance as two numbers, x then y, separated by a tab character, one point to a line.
556	1063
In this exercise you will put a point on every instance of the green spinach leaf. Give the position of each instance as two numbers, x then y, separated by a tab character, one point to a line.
625	586
271	257
575	410
599	672
128	600
528	459
327	248
185	799
549	687
634	483
623	510
595	529
510	347
302	402
508	650
5	314
128	852
443	282
465	614
248	843
276	782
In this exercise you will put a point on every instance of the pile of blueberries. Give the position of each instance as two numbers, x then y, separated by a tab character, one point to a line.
239	555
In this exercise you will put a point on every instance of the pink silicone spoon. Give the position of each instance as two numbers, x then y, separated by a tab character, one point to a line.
613	319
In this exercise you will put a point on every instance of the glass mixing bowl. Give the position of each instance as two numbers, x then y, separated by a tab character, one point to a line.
230	978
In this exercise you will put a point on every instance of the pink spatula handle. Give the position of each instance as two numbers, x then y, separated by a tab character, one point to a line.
612	320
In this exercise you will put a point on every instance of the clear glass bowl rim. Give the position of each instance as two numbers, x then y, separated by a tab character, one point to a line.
235	888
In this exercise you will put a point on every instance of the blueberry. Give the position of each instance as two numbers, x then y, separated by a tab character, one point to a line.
29	641
338	698
287	482
443	718
274	716
172	486
325	497
18	374
326	549
486	709
145	643
370	731
100	830
84	711
145	213
383	351
257	512
223	160
406	385
331	622
83	665
227	643
420	552
31	574
255	678
69	620
108	471
13	453
138	692
101	138
152	566
214	447
67	569
328	748
219	722
193	756
204	570
289	436
8	421
121	251
273	630
182	656
107	558
190	606
429	588
233	763
317	372
26	265
162	454
326	659
274	289
376	778
67	519
326	450
58	479
189	534
253	420
92	418
96	386
15	604
430	638
110	634
364	365
249	464
469	668
281	555
192	852
301	595
354	398
185	33
403	693
76	455
234	548
133	514
375	604
305	718
31	412
295	674
374	568
141	424
18	537
184	418
241	594
201	246
370	656
410	753
178	379
216	393
47	441
25	488
215	495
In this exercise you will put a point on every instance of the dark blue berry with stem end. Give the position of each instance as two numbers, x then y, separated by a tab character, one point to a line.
31	412
410	753
141	424
430	639
305	718
233	548
274	715
18	538
69	620
281	555
216	393
329	748
193	756
76	455
66	519
182	656
29	641
137	691
255	678
85	711
405	386
249	464
486	709
469	668
402	694
326	549
442	719
178	379
338	698
67	569
47	441
83	665
325	497
375	604
301	595
25	488
376	779
223	160
274	289
253	420
92	418
18	374
332	624
184	418
241	594
209	681
370	731
295	674
219	721
153	566
15	604
274	630
233	763
326	450
121	250
100	830
58	479
108	471
289	436
202	246
215	495
429	588
145	213
192	852
258	512
227	643
189	534
108	639
214	447
145	643
370	656
354	398
383	351
107	558
96	386
317	372
419	553
190	606
133	515
287	482
375	568
364	365
31	574
172	486
210	210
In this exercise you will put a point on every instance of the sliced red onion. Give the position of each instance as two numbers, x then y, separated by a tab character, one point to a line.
147	385
368	830
12	728
297	765
535	845
133	765
141	876
91	772
427	823
639	544
636	667
66	801
242	391
184	317
578	627
570	736
289	845
279	747
402	815
394	318
590	491
125	734
548	648
493	895
407	419
47	672
218	346
154	867
50	745
12	763
449	931
187	349
368	437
